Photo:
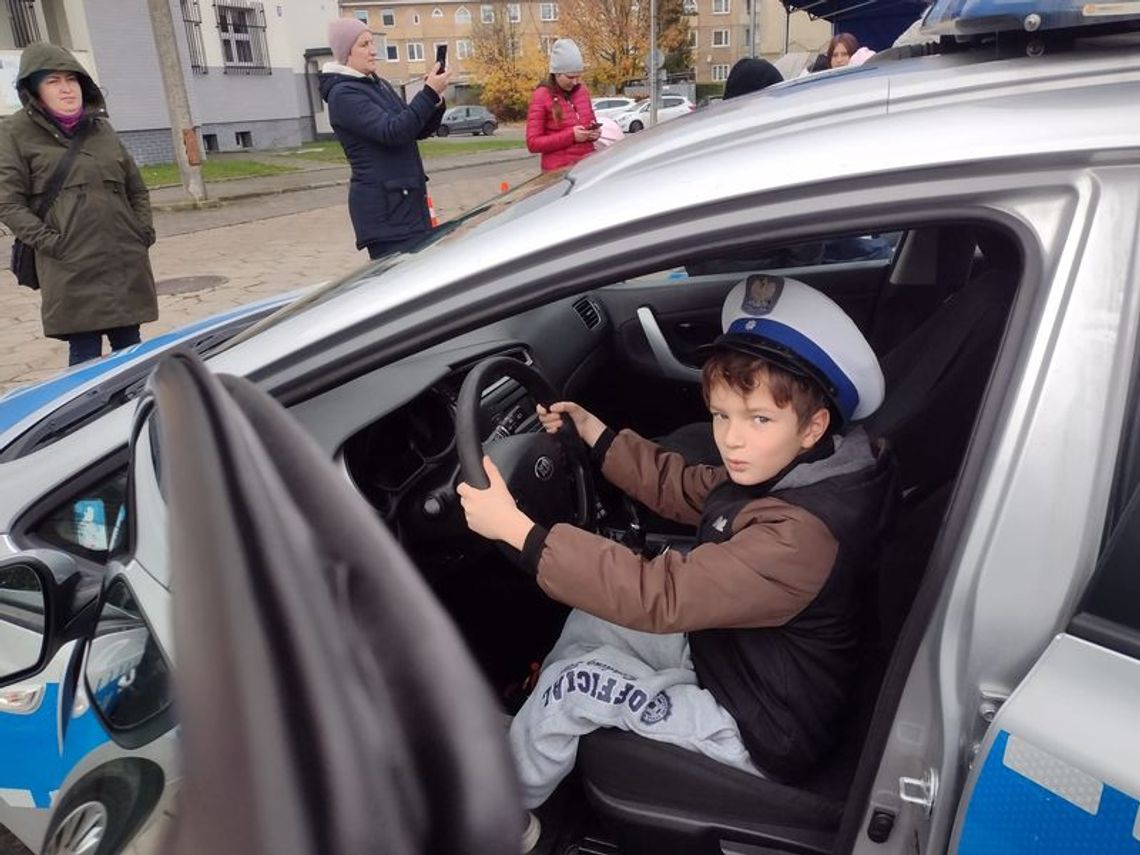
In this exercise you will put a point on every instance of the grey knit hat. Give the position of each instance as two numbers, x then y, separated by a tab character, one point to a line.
565	58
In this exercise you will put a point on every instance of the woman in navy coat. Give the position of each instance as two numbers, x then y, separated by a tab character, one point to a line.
387	195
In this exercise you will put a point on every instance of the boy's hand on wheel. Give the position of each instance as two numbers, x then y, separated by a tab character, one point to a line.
589	426
492	512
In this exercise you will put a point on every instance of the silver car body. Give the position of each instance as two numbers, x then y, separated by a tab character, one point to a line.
1048	147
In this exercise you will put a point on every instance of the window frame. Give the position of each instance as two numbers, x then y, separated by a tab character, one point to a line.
412	49
514	13
463	16
726	7
486	14
391	51
719	72
464	49
542	10
726	34
387	17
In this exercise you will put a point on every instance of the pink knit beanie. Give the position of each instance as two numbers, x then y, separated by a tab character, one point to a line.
343	33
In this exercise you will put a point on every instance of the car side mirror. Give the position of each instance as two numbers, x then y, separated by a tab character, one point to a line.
23	627
44	600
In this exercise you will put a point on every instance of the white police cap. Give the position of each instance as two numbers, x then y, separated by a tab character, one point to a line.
795	326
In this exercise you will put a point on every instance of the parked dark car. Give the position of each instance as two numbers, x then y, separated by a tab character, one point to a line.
468	120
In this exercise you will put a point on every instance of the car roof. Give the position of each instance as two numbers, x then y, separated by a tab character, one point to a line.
920	112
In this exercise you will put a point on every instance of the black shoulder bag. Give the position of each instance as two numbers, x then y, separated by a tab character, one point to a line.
23	256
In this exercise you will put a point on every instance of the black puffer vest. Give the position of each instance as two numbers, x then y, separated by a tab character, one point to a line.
788	687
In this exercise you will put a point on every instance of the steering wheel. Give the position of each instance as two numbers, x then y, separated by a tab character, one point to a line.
549	475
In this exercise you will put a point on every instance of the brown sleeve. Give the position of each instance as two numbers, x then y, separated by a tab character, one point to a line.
660	479
773	566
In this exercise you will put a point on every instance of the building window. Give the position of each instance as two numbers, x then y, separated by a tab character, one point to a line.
241	26
545	43
720	38
392	52
719	73
25	29
514	13
693	37
463	49
462	15
388	17
210	141
192	21
548	11
689	7
487	14
415	51
720	7
362	16
416	19
437	12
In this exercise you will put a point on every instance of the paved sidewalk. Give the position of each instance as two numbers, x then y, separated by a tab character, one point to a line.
261	246
313	175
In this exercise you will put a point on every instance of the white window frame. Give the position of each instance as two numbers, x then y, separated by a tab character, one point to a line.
392	52
545	43
463	15
720	72
724	35
694	37
387	17
464	49
487	14
413	49
415	19
722	7
437	12
361	15
514	13
689	7
548	11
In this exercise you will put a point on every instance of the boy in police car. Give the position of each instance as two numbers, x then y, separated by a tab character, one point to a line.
744	649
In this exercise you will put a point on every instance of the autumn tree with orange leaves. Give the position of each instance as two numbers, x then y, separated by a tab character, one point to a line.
613	36
507	65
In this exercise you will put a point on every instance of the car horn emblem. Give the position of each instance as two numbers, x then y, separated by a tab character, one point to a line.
543	468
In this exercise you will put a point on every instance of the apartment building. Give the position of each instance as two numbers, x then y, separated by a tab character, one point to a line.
244	63
408	31
720	34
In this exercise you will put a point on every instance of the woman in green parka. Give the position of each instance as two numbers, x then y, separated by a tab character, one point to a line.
91	244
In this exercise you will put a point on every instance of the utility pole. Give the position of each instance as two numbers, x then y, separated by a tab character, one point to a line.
652	63
186	151
752	28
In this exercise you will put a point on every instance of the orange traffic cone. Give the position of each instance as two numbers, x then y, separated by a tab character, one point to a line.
431	213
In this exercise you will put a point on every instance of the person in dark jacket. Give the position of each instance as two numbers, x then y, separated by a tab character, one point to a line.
91	244
387	195
745	648
751	75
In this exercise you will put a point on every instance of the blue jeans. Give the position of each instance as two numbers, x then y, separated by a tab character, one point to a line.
89	345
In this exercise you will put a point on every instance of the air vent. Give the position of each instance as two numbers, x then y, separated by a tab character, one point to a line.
588	312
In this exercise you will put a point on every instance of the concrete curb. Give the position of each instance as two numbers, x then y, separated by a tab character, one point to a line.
209	204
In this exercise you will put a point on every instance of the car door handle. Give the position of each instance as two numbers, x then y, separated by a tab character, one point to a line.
670	365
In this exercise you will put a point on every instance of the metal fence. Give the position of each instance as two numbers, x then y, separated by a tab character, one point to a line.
241	26
25	28
192	20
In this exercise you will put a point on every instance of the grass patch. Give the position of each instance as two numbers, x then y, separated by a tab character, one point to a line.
330	151
159	174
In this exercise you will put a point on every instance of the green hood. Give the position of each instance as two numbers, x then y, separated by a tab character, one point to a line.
47	57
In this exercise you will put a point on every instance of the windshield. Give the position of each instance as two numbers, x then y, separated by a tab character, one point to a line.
969	17
531	194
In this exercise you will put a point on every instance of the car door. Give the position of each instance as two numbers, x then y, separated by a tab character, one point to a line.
1059	767
328	703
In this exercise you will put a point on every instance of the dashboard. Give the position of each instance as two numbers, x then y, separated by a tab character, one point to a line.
404	461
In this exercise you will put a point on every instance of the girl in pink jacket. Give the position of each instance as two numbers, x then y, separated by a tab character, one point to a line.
560	122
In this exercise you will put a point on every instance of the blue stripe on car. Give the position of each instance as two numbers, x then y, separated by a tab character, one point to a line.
32	759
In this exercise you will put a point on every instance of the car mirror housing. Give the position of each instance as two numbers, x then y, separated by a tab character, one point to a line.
43	595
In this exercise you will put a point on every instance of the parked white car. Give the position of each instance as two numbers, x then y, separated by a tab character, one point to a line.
611	105
637	118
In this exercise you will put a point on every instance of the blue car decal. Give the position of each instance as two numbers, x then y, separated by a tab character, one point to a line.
1026	801
22	401
33	762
